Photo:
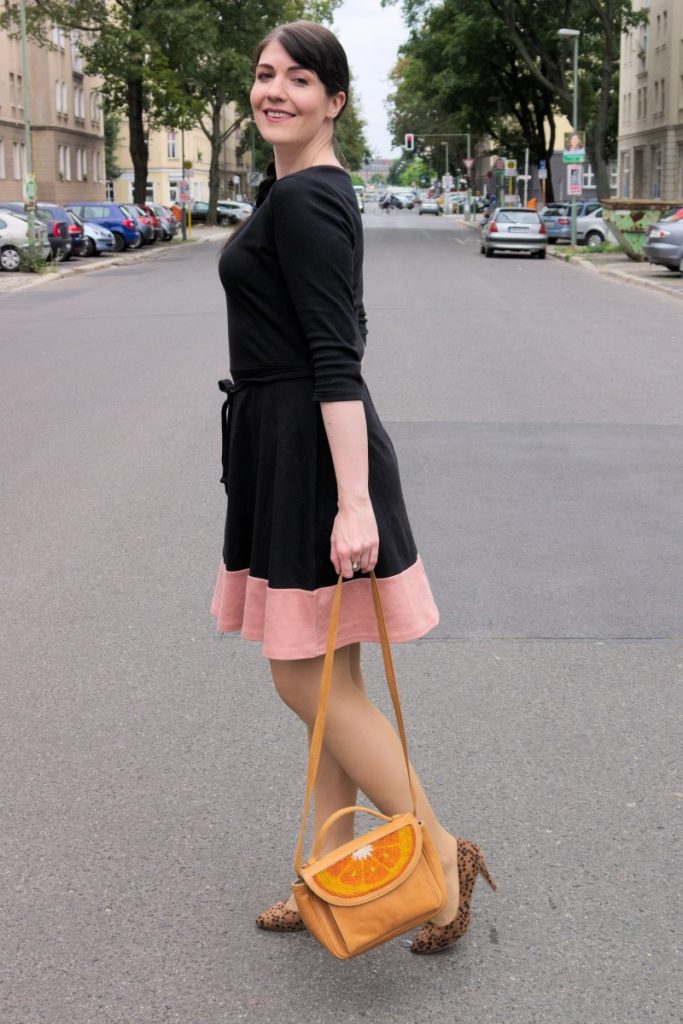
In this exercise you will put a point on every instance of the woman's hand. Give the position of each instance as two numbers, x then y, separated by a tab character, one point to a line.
354	538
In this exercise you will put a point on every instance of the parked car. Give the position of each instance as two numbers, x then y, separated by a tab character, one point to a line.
149	211
241	211
57	223
514	230
664	245
169	224
96	239
430	206
144	224
14	239
199	212
114	216
591	227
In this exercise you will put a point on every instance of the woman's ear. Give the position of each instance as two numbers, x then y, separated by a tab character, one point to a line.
336	104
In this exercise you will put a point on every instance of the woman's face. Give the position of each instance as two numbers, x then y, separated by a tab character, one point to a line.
290	104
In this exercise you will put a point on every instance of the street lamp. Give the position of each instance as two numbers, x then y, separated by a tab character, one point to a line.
573	33
446	201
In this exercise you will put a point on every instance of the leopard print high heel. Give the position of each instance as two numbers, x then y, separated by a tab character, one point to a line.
279	918
431	938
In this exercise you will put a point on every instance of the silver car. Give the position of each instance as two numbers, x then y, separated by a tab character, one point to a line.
664	244
514	230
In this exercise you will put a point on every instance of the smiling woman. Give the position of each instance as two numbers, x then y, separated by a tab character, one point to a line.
313	484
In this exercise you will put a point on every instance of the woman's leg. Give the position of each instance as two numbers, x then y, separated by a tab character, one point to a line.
333	787
366	748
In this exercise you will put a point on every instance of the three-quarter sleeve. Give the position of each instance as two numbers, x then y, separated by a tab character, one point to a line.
315	241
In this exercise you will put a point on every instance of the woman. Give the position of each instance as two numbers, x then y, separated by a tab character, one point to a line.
311	474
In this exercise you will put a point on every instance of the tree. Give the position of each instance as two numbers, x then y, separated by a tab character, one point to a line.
531	28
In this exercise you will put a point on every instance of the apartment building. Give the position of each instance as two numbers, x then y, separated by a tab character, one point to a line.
66	116
651	105
166	149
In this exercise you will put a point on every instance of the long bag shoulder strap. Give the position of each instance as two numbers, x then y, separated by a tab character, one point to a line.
316	742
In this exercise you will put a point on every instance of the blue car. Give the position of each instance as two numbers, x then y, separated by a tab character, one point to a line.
114	216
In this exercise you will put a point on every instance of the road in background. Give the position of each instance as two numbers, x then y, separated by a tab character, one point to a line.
152	781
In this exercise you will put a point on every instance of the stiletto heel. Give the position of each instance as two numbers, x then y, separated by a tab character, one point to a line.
432	938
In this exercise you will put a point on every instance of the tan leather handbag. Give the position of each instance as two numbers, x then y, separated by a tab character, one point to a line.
381	883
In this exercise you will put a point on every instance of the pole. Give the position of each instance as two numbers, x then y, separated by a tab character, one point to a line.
468	205
183	206
31	210
575	125
526	175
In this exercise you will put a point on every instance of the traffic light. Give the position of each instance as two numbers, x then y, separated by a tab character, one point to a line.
409	142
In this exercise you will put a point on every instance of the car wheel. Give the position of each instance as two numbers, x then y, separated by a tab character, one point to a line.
10	258
89	248
482	250
138	243
541	254
119	241
488	251
594	239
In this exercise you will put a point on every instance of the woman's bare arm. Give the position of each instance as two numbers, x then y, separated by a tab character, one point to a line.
354	533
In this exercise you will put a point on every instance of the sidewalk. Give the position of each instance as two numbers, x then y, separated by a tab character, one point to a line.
620	268
15	282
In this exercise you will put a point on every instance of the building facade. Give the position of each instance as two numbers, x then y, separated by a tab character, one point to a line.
167	148
651	105
67	122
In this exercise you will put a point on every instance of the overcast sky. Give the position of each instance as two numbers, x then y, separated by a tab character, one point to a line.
371	35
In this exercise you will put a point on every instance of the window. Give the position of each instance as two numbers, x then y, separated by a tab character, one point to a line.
639	108
172	189
626	175
96	166
656	97
64	162
95	107
16	94
644	101
2	159
642	49
109	191
61	98
18	160
79	102
149	192
588	177
76	59
662	96
656	163
613	178
170	146
58	37
680	93
81	164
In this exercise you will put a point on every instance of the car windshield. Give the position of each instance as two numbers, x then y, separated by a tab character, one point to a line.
517	217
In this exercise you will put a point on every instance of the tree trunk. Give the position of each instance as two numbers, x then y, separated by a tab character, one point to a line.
216	141
138	147
599	143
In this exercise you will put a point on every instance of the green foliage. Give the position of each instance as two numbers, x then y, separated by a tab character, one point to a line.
31	262
500	65
111	135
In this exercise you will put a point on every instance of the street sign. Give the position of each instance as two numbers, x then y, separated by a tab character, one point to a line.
183	191
575	180
541	165
254	178
510	168
500	164
469	163
542	174
447	181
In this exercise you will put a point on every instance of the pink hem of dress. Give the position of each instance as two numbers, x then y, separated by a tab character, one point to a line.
293	624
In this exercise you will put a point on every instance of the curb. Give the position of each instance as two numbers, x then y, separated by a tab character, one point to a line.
98	264
620	275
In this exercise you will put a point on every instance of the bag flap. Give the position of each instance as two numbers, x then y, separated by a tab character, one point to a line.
367	866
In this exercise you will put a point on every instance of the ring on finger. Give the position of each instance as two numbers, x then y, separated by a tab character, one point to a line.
355	566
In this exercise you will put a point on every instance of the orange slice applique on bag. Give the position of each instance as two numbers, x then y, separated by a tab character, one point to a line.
370	867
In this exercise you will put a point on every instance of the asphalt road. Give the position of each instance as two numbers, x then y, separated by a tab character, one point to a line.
152	781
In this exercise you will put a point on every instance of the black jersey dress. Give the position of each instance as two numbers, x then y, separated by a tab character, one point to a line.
293	279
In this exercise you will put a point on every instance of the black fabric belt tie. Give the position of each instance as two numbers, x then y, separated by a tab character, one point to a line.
230	389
